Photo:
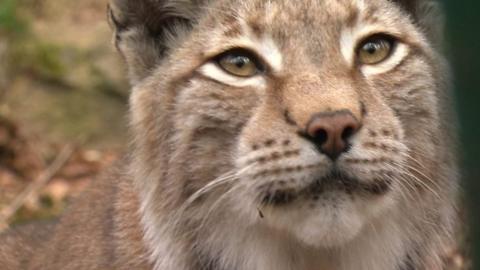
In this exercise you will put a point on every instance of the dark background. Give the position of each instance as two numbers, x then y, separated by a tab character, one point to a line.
464	46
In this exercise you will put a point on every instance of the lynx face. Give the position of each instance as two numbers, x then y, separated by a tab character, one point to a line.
313	119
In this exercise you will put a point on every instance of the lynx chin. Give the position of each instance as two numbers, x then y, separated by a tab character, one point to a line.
269	135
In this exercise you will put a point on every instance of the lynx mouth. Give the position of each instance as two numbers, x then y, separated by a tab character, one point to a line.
334	181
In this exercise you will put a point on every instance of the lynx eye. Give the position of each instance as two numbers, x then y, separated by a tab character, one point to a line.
239	62
375	49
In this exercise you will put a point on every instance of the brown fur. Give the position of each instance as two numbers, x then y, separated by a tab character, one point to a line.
99	231
212	153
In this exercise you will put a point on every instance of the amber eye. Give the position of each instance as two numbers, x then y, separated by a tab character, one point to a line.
239	62
375	49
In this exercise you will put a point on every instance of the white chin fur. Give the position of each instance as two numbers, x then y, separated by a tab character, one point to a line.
328	228
333	221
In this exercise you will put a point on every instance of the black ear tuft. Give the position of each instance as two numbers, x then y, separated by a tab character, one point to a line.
143	30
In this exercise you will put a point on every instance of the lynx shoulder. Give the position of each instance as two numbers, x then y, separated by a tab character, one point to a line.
269	135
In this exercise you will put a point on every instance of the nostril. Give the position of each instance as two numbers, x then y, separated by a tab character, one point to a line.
321	136
347	133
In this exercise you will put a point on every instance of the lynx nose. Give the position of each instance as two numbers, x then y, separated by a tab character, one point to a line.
331	132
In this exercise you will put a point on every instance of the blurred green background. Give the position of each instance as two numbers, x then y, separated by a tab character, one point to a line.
464	45
61	82
59	73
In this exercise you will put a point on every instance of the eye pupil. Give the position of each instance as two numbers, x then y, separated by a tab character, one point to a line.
371	47
240	61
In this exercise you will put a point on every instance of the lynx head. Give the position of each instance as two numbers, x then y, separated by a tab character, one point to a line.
315	119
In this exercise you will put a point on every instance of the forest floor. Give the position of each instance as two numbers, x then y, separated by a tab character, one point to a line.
63	107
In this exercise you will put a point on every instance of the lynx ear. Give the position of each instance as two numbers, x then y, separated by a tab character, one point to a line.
429	16
145	29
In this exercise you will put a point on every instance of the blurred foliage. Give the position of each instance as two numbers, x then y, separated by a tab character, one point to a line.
61	71
10	22
42	59
61	81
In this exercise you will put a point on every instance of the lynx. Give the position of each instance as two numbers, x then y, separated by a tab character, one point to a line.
269	135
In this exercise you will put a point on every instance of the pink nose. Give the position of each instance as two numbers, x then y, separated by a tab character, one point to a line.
331	132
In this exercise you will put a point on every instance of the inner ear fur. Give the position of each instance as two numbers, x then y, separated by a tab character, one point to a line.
145	29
